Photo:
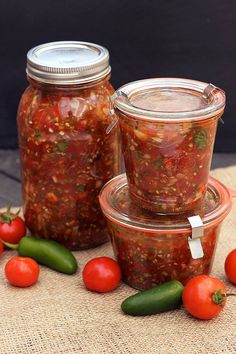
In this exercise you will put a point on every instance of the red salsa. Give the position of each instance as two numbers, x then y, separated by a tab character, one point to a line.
148	260
167	165
66	158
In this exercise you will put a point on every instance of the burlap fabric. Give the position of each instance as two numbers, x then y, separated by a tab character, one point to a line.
58	315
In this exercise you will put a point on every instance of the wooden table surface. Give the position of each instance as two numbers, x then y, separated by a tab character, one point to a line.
10	180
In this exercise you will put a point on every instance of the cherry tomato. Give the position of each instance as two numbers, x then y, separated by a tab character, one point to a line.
12	227
204	296
101	274
22	271
230	266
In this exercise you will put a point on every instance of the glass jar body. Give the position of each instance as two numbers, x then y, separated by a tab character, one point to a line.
66	157
167	164
147	260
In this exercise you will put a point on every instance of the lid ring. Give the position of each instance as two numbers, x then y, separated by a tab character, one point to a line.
68	62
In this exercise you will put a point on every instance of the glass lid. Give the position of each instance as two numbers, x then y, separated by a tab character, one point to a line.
118	207
169	98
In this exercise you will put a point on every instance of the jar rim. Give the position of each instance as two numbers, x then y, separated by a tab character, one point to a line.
112	188
214	99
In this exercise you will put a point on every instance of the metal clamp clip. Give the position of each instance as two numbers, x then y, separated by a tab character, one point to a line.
112	111
112	100
207	91
194	240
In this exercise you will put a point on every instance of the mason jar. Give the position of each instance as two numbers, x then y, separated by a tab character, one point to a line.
67	153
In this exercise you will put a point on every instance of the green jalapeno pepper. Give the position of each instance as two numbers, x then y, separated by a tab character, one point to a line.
46	252
161	298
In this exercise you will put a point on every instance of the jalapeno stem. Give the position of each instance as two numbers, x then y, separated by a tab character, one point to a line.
10	245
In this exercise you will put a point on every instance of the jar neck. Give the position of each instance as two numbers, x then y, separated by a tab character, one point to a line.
49	87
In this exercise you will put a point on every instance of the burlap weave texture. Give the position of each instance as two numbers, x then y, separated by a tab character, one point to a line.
58	315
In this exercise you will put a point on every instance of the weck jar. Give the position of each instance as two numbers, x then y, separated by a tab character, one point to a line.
153	250
67	153
168	128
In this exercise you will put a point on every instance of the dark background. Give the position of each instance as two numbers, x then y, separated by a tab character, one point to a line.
188	38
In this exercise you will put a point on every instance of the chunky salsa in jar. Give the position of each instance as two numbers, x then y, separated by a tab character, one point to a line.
66	154
152	250
168	129
147	261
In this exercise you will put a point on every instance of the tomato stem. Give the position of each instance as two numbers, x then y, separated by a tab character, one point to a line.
218	297
8	217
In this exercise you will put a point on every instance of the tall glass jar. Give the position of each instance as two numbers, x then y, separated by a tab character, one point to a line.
67	154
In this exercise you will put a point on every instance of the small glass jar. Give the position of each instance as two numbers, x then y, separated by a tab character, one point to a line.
168	129
66	153
151	250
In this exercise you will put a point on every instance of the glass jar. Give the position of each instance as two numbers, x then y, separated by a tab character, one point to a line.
153	250
168	129
66	153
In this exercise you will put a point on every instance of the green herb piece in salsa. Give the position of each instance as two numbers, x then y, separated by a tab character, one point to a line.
62	146
37	133
81	187
201	139
159	163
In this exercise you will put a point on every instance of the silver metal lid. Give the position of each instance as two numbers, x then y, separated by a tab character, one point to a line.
168	99
67	62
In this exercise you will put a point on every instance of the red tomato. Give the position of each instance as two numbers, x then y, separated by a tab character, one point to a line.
12	227
230	266
101	274
204	296
22	271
